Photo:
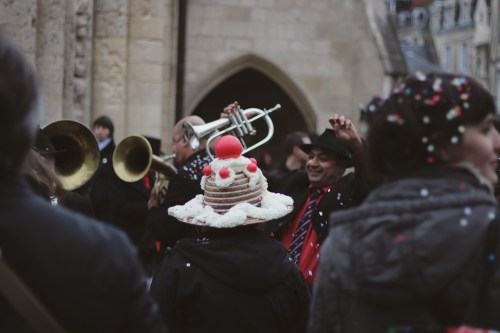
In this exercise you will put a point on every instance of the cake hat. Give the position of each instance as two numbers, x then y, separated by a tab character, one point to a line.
235	192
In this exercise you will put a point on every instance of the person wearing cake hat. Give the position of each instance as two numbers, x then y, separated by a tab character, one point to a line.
420	254
231	277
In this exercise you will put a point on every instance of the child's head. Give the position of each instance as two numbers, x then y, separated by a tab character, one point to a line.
423	121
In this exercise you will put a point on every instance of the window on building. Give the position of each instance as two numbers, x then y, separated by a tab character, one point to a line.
497	91
482	56
464	58
456	17
448	16
466	11
441	17
447	58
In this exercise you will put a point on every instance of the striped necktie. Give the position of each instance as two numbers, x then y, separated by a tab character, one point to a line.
303	225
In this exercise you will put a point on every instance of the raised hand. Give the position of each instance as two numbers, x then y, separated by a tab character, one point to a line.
346	131
231	108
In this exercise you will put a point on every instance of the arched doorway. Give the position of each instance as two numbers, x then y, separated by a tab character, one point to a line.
251	88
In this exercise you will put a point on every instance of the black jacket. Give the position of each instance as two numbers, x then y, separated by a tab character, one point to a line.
296	185
100	187
120	203
408	257
231	280
87	274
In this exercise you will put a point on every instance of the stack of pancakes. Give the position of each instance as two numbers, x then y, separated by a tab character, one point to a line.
221	199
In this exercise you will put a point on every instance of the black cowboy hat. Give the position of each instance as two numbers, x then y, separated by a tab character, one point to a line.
329	141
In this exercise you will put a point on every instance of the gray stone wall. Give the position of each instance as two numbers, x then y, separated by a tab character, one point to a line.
325	48
118	57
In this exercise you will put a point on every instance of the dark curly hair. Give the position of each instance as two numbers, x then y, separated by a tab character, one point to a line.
423	114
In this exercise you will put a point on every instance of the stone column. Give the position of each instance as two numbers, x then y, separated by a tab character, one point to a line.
77	90
149	56
50	46
109	81
19	19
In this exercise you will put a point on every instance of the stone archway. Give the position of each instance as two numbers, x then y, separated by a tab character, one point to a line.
253	88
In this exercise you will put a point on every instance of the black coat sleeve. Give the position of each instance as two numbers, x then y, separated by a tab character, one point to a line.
164	227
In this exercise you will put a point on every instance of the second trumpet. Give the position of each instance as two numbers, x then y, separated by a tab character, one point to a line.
133	159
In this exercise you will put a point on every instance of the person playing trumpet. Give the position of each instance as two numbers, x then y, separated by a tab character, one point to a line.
183	186
190	160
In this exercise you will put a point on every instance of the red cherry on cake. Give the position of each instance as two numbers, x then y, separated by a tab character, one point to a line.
253	160
252	167
207	171
227	147
224	172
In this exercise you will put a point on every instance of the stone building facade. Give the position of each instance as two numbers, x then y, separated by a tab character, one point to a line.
467	35
146	63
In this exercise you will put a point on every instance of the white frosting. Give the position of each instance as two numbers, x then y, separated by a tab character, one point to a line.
272	206
235	165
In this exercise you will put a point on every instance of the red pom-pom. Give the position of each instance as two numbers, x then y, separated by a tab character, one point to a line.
228	146
252	167
224	172
253	160
207	171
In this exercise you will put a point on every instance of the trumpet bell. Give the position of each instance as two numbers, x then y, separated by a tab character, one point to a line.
133	158
78	156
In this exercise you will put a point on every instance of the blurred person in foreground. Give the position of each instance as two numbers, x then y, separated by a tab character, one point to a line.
419	255
231	277
84	273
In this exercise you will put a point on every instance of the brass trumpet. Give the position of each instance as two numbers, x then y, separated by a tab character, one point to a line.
78	156
133	158
238	124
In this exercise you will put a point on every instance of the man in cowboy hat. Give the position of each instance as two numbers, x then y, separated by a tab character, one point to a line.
319	190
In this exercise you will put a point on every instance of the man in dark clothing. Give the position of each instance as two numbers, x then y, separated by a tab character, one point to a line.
320	189
101	185
184	186
84	273
121	203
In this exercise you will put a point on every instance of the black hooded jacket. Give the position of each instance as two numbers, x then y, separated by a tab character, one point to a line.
231	280
409	258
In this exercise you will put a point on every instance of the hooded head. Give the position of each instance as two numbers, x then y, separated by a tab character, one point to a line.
19	106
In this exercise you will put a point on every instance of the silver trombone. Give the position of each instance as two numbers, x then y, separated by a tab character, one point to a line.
238	123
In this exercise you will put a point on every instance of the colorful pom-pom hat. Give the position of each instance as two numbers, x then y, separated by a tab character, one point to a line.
235	192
